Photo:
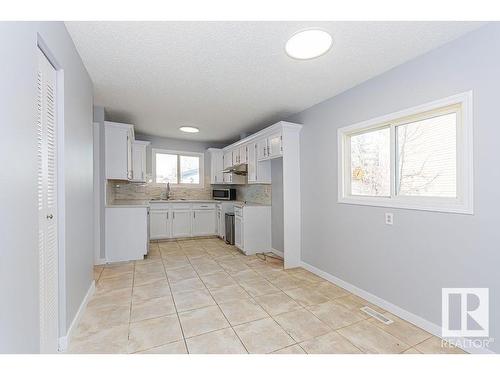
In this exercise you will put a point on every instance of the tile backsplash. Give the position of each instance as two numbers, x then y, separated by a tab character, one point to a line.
254	193
125	190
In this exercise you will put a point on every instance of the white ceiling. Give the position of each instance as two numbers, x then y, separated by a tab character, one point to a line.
229	78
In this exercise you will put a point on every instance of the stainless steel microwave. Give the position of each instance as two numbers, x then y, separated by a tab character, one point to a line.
224	194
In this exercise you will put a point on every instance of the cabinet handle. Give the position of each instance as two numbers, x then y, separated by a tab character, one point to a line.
173	215
268	151
167	215
281	143
194	214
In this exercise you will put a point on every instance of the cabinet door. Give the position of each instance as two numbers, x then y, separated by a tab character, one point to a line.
236	156
139	162
181	223
216	167
228	162
228	159
262	153
203	222
220	224
244	154
252	162
130	138
238	232
159	224
275	145
116	152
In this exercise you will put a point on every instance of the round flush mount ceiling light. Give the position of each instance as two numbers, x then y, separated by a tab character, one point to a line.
189	129
308	44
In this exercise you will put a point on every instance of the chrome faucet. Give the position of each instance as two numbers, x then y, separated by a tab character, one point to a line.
167	191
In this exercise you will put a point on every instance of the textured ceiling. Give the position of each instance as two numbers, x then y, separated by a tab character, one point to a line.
229	78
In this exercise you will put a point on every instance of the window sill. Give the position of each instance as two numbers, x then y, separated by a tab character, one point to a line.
430	204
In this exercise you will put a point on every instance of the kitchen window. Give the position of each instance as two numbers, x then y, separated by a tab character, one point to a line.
179	168
420	158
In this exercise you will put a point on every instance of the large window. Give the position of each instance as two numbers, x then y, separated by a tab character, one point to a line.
420	158
178	168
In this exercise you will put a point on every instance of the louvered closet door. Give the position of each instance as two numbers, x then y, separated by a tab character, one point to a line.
47	204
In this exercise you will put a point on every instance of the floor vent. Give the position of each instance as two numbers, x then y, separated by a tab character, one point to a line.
376	315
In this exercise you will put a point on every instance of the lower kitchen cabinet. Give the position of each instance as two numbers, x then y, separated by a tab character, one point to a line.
126	235
181	223
159	224
203	222
252	228
238	232
221	222
178	220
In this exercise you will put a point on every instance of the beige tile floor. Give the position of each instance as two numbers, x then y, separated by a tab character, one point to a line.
203	296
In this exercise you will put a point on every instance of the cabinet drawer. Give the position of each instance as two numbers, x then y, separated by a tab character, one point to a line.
159	206
180	206
203	206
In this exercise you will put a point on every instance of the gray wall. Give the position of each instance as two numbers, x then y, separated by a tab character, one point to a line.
408	263
18	215
277	241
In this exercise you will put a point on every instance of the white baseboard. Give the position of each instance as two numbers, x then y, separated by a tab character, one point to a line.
65	340
100	261
278	252
388	306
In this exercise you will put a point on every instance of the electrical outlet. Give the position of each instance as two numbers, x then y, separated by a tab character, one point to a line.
389	218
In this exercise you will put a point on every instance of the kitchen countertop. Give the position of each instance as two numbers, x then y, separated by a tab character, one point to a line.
131	203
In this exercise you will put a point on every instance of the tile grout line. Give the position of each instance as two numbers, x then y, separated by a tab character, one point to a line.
268	277
173	300
217	304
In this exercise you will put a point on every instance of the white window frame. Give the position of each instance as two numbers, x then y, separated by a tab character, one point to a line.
462	204
200	185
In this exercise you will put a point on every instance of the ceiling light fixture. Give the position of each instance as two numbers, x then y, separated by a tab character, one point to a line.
308	44
189	129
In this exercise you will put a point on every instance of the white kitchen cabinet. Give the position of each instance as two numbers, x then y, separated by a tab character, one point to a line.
228	162
118	140
259	172
262	153
159	224
181	223
270	147
238	232
139	161
204	222
252	163
275	147
239	155
235	155
220	222
243	154
126	236
252	228
216	166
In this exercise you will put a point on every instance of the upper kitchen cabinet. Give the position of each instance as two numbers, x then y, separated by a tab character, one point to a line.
216	166
270	147
139	161
118	150
259	172
240	155
275	143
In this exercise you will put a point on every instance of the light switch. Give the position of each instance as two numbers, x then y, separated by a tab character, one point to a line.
389	218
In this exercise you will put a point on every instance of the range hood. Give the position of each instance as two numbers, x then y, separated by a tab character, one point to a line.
240	170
